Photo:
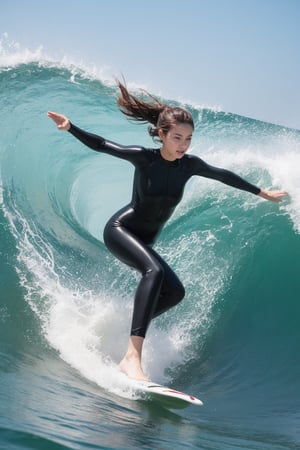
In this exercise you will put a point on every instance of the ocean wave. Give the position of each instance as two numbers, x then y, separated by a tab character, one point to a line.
236	254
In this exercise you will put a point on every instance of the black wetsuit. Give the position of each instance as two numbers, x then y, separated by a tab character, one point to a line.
157	189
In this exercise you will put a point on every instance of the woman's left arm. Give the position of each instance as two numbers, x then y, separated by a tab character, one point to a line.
201	168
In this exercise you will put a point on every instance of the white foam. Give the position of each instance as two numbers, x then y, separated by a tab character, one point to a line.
13	54
91	335
89	331
275	166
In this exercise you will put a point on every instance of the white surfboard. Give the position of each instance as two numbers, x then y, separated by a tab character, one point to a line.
166	396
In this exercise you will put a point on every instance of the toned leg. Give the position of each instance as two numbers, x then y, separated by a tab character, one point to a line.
159	289
172	290
133	252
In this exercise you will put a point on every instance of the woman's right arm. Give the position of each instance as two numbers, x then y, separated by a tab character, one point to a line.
63	123
95	142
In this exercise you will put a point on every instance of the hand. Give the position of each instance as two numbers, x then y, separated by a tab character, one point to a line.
61	121
273	196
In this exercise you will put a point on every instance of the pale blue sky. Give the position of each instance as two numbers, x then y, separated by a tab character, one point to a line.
240	55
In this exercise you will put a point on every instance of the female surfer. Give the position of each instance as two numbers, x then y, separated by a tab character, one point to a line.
159	180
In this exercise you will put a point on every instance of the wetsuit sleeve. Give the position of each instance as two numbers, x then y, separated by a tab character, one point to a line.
99	144
225	176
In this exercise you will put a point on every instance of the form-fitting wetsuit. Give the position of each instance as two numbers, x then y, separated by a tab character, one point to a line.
157	189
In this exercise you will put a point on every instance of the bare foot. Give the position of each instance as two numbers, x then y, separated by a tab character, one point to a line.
130	365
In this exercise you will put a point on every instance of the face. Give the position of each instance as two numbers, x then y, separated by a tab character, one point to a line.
176	141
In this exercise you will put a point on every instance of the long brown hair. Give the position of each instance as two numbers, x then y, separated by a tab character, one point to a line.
159	115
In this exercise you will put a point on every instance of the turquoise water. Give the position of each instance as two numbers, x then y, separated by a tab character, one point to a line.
66	302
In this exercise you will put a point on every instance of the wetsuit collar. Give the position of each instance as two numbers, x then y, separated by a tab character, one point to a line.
174	163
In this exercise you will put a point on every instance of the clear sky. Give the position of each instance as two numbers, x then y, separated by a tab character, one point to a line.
240	55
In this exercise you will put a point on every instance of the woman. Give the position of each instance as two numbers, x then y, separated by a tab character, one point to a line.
159	180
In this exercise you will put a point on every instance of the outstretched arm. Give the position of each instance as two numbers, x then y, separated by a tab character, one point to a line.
132	154
93	141
232	179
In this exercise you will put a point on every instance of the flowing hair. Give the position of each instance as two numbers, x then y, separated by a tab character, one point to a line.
159	115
